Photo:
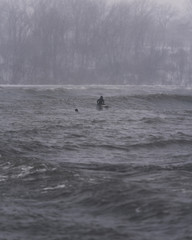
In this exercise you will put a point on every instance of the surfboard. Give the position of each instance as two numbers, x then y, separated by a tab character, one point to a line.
101	107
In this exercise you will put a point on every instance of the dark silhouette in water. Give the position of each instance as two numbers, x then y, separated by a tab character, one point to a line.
101	104
76	110
100	101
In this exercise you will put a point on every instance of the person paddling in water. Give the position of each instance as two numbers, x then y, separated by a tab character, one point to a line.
100	101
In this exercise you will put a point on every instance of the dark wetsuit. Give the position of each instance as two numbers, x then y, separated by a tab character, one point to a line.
100	101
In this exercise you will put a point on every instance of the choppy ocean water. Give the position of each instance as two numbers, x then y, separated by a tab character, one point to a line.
121	173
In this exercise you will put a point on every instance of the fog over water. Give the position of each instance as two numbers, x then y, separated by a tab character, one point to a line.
93	42
73	170
179	3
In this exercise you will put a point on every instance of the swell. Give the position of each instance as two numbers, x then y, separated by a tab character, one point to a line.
130	191
35	170
66	98
145	144
76	143
152	101
165	97
163	143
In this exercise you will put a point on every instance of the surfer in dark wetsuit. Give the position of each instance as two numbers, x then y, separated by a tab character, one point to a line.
100	101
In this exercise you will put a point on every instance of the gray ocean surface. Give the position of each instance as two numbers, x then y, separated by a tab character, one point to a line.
124	173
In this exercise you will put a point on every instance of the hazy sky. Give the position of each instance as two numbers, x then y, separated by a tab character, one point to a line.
181	5
178	3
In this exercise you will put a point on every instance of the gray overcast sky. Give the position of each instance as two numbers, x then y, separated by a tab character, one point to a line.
180	4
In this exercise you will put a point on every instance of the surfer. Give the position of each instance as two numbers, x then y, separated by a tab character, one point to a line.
100	101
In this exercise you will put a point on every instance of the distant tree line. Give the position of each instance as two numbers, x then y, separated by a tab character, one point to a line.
93	41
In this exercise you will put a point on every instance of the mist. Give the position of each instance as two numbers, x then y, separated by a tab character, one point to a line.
94	42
